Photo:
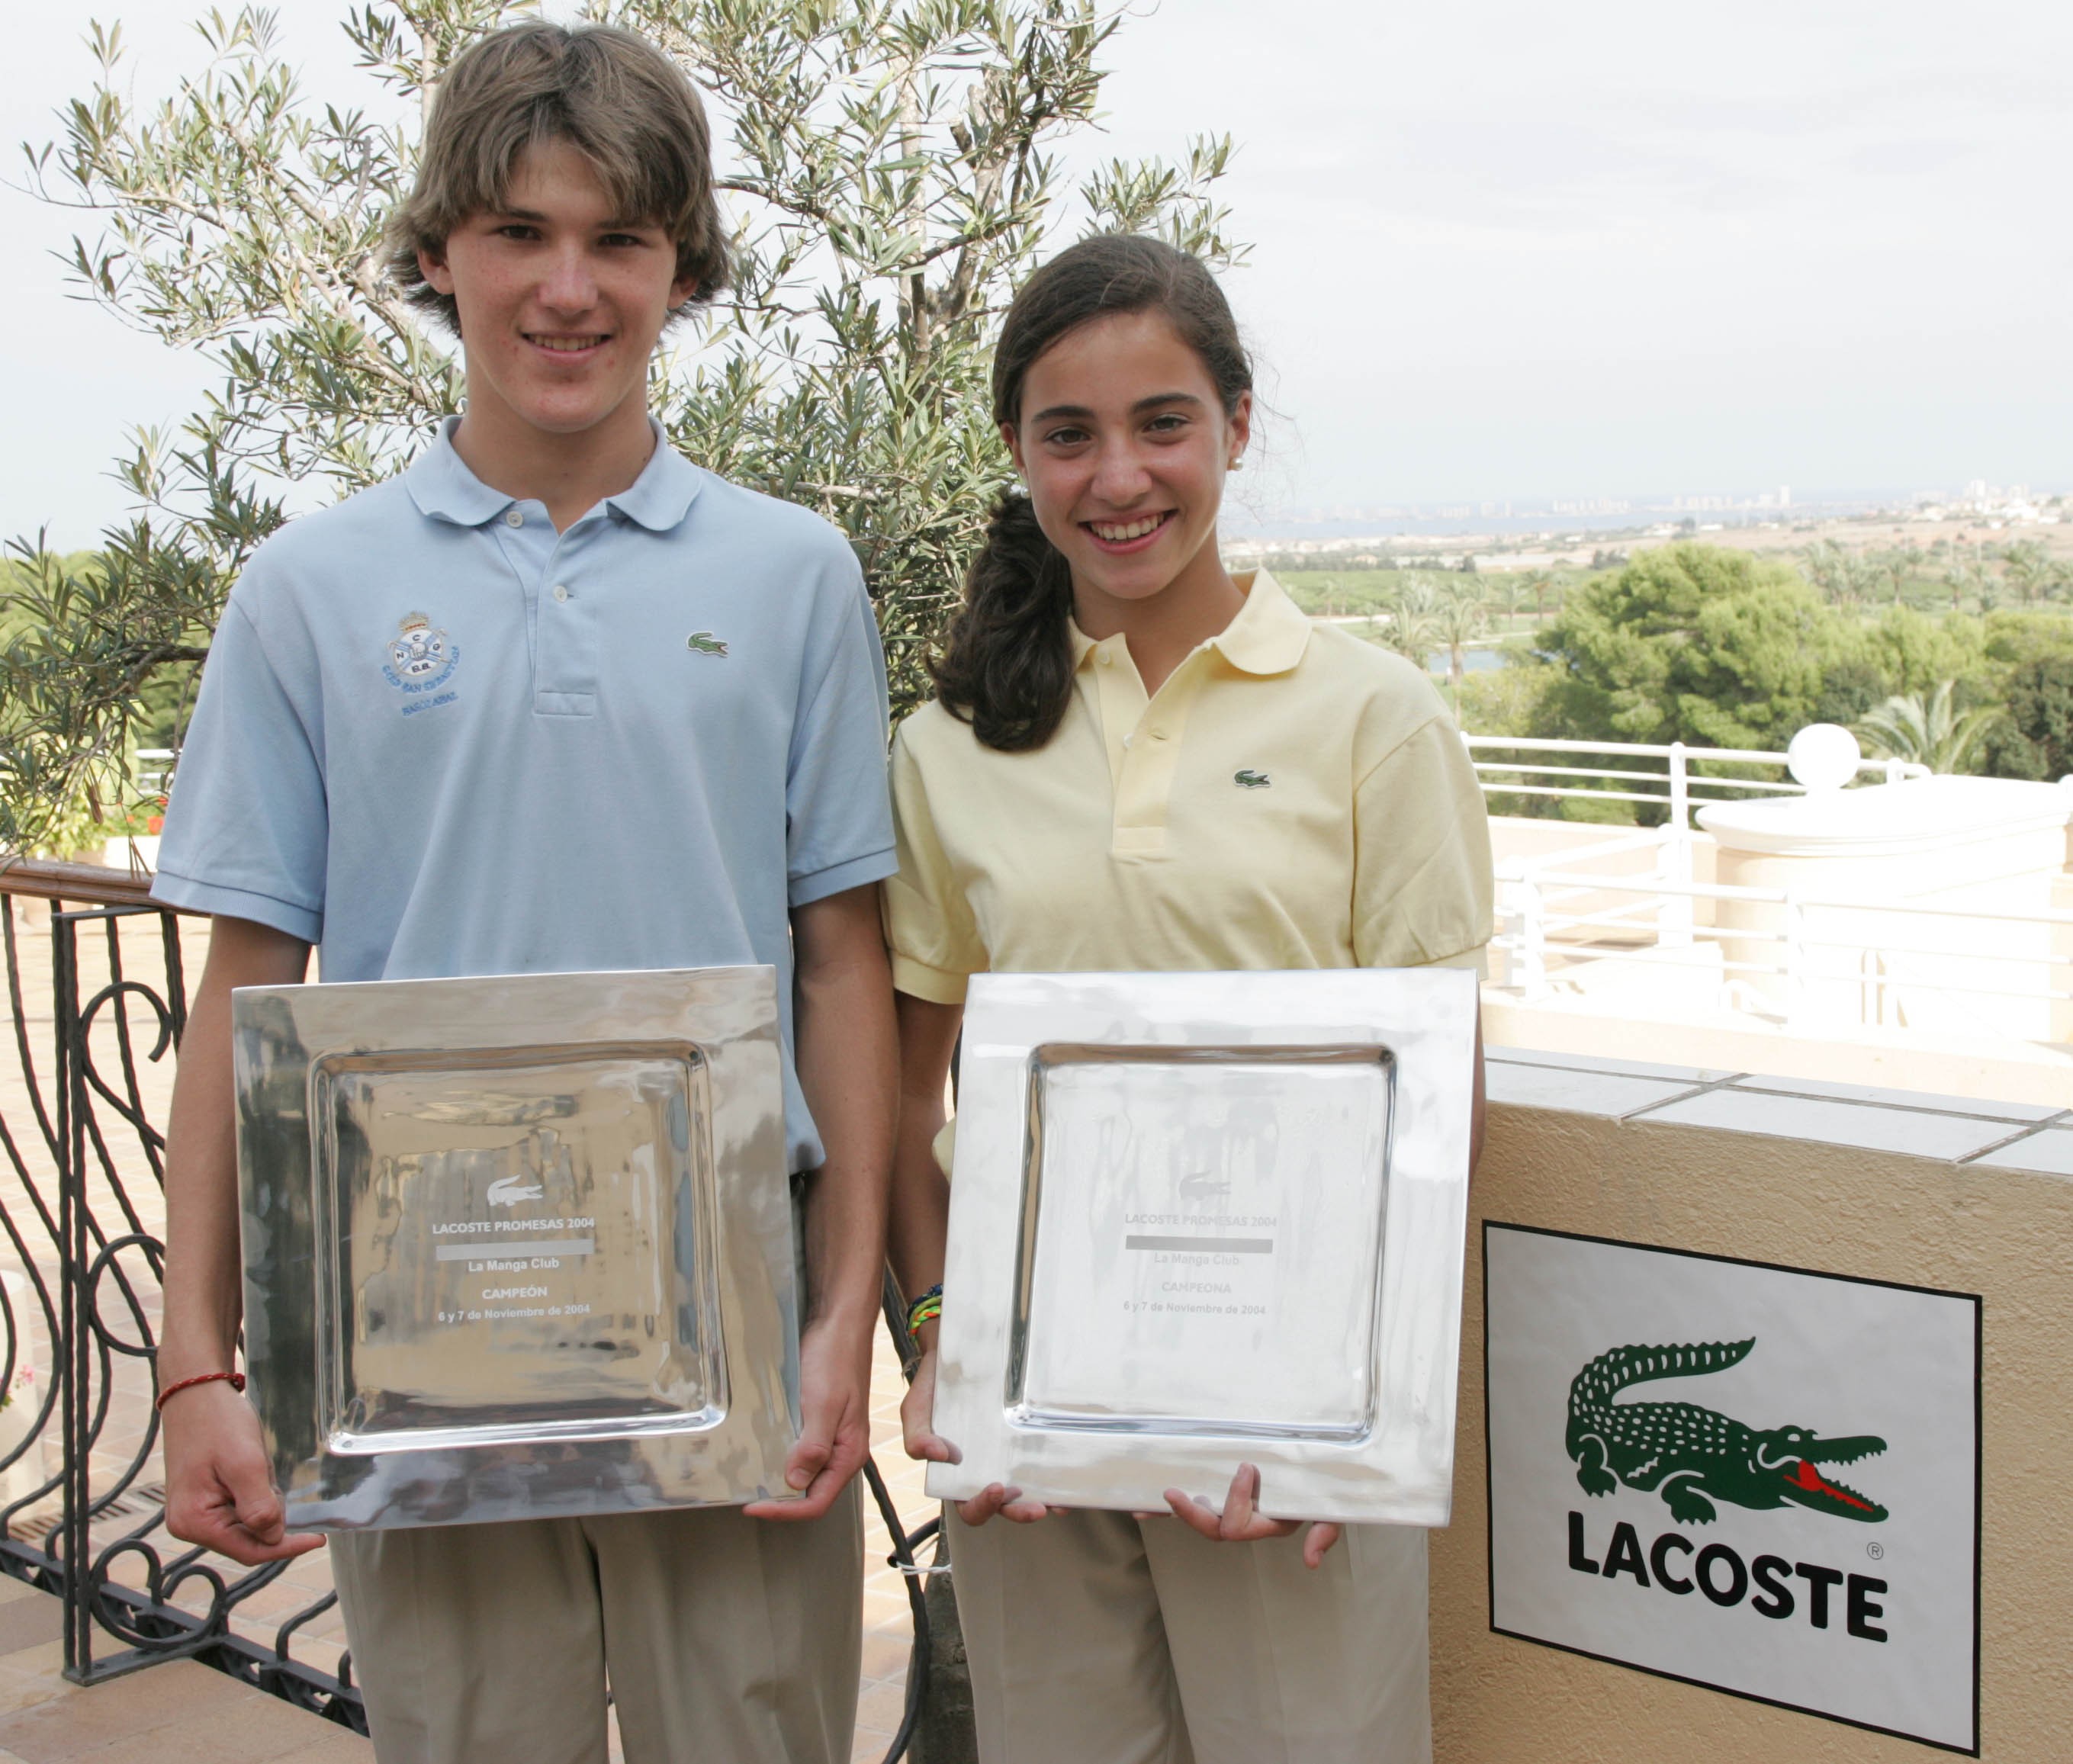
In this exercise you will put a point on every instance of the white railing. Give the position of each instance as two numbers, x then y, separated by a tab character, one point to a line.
1634	899
1805	960
1679	788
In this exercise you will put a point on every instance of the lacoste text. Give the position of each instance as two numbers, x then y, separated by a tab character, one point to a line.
1676	1565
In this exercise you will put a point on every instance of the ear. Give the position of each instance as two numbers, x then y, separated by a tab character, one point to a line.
683	289
1240	425
1012	436
432	266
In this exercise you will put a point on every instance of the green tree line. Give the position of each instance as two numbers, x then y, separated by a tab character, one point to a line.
1722	648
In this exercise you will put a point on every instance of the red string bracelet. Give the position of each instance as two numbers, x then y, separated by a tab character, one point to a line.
235	1380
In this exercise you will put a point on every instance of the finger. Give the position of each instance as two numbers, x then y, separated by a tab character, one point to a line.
214	1525
989	1501
1028	1512
1236	1520
245	1488
840	1459
1192	1514
808	1457
919	1436
932	1449
1318	1544
290	1544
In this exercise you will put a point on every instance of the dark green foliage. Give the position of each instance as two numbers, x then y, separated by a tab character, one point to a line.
2035	739
1692	643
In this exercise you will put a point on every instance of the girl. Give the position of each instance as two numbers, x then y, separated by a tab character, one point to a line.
1137	761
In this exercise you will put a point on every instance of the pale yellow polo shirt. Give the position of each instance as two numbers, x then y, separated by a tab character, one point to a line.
1291	798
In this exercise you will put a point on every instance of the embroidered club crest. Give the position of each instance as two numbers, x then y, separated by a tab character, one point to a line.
421	656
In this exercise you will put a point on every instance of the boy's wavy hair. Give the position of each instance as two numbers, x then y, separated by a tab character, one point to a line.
615	97
1006	664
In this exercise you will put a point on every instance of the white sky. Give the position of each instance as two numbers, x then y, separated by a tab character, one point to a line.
1501	249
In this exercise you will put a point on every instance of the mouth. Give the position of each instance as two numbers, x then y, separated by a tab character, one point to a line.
1805	1480
1120	537
568	345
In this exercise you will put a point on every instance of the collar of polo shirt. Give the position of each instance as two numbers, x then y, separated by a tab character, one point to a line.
445	489
1267	637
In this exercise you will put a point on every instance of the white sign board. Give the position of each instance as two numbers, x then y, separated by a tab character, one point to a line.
1762	1480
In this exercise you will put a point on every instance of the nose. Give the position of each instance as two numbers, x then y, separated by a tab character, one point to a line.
568	284
1120	477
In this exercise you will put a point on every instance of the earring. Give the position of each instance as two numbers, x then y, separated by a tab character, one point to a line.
1238	464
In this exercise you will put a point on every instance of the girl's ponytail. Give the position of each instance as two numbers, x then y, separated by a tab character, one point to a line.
1006	667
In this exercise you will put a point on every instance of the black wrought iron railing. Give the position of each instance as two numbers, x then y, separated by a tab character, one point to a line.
97	988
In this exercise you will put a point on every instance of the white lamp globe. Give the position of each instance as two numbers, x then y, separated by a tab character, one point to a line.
1823	756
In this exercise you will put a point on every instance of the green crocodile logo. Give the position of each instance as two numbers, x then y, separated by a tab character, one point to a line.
1252	780
704	643
1686	1454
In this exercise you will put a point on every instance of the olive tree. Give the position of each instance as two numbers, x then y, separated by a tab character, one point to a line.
891	168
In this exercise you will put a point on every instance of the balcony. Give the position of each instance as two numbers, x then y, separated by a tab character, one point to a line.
1913	931
1858	1070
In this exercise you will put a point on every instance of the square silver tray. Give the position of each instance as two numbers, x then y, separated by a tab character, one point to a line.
517	1246
1199	1219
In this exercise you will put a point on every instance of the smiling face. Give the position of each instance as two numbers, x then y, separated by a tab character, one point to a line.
1124	442
560	302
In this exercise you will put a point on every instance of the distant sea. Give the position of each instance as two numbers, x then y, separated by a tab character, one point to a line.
1528	523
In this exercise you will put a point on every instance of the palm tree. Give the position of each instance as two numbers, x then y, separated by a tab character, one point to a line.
2027	567
1843	577
1509	593
1413	629
1934	734
1970	578
1462	615
1896	567
1539	583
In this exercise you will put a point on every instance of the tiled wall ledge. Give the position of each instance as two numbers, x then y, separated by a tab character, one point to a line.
2012	1135
1820	1175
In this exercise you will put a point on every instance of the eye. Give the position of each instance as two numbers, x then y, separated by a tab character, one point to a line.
1171	422
621	240
1066	437
517	230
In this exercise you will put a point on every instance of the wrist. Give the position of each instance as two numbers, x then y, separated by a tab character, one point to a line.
923	1313
198	1381
186	1354
857	1320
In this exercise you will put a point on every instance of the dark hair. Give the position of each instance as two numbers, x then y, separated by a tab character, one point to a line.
614	97
1007	665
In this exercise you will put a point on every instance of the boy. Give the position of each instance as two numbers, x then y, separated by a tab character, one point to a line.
554	698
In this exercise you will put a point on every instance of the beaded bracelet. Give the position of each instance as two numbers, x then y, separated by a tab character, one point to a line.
235	1380
929	1305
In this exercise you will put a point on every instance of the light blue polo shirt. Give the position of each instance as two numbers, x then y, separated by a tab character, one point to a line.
436	737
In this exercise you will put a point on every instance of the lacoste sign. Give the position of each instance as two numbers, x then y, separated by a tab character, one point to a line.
1762	1480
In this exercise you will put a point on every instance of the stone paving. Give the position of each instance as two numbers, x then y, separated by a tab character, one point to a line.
175	1713
307	1579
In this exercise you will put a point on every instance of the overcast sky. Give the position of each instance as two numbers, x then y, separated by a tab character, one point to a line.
1500	250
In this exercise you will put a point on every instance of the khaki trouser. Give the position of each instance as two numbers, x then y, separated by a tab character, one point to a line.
1096	1639
724	1638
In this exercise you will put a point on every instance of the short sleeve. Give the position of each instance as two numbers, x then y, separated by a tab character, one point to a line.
928	923
1423	889
838	823
247	827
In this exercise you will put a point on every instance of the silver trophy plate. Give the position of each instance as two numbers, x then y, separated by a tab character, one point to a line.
1203	1219
516	1247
